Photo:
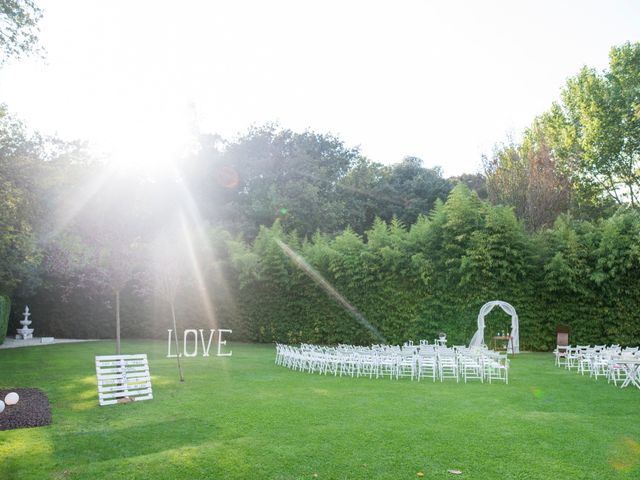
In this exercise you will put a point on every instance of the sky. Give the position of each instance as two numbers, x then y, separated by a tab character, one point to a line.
444	81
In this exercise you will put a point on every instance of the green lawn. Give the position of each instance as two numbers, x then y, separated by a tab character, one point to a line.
243	417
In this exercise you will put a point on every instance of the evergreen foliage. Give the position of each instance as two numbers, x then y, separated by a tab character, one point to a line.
412	283
5	308
401	283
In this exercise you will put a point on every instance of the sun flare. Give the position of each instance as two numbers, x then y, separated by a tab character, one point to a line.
149	141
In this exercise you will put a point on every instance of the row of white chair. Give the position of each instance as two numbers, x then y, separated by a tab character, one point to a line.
608	361
394	362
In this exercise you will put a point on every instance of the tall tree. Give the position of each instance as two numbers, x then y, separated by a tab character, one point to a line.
362	190
18	28
271	174
21	171
529	176
476	182
506	172
419	187
604	111
583	155
169	266
404	191
548	189
111	225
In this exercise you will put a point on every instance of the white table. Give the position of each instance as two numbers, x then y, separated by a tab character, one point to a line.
630	367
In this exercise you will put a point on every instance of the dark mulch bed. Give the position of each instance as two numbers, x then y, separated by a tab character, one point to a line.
32	410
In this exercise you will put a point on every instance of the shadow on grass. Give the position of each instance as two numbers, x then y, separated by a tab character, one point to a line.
22	444
107	443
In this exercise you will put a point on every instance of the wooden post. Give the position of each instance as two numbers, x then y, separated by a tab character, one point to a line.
117	322
175	331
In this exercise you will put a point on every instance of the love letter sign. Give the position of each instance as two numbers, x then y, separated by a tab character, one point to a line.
197	334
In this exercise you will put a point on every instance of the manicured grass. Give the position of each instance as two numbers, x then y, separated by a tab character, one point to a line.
242	417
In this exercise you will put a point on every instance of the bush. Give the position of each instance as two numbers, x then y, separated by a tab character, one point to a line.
393	284
5	308
410	284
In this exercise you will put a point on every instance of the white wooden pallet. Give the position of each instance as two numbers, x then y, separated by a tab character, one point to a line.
123	378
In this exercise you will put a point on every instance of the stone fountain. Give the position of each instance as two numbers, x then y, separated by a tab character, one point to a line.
25	332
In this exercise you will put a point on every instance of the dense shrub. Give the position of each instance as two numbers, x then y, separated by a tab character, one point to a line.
413	283
5	307
393	284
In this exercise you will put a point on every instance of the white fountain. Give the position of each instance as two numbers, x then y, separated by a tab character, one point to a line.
25	332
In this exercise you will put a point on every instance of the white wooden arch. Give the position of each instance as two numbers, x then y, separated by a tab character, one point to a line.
478	338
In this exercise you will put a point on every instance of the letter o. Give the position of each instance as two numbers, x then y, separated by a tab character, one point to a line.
195	342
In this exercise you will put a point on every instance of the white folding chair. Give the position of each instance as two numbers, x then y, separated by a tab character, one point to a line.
470	366
448	365
496	367
387	366
406	366
427	365
561	355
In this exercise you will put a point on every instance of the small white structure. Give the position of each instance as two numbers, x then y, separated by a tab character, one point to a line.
514	342
123	378
25	332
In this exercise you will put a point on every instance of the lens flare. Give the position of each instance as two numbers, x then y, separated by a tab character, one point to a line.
228	177
328	288
537	393
627	455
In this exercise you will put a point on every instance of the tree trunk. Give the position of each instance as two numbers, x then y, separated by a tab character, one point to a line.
117	322
175	333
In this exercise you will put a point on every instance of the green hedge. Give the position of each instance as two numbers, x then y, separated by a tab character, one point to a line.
5	308
402	283
411	283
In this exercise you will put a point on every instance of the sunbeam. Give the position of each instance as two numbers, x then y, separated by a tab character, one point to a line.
188	249
76	202
194	219
196	270
327	287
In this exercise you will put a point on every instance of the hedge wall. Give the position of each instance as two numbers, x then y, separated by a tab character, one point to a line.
402	283
411	283
5	309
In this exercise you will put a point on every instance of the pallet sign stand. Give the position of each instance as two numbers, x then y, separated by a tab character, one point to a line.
123	378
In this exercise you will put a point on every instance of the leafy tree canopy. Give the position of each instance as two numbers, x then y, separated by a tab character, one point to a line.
583	154
18	28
